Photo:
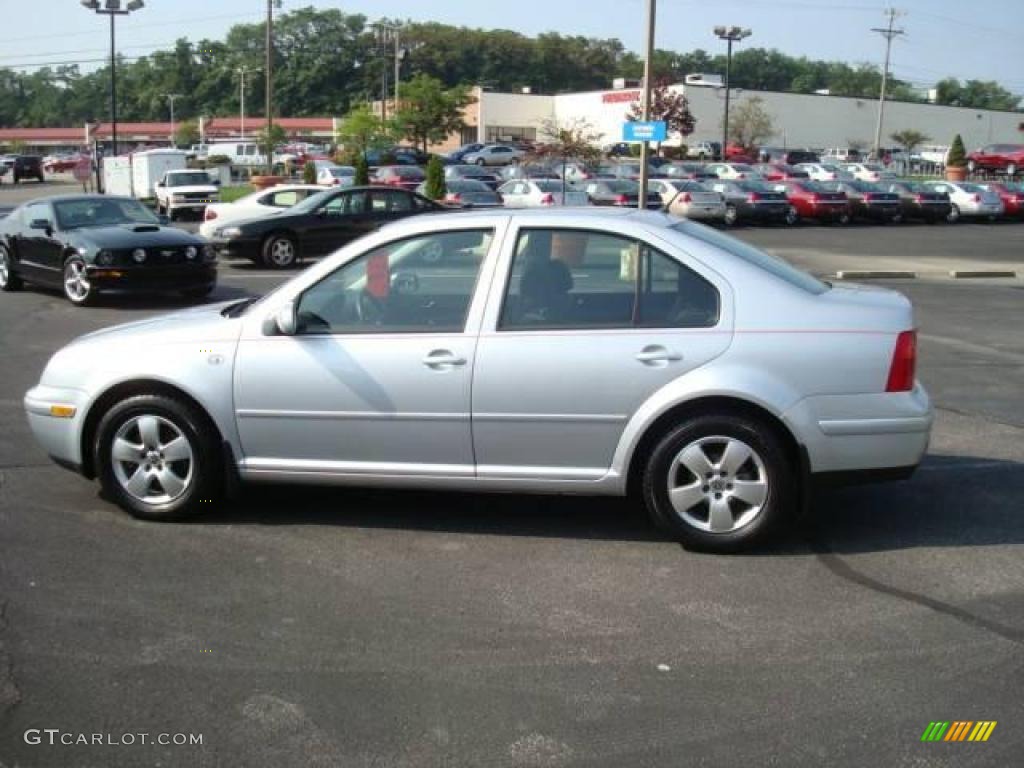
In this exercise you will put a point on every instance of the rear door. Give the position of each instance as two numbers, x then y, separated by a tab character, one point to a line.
582	327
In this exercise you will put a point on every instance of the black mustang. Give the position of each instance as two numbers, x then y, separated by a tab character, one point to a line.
88	243
318	225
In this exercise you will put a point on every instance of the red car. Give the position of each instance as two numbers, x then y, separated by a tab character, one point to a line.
1012	196
810	200
404	176
1008	158
780	172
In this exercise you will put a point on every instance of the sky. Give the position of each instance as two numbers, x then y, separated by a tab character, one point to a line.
944	37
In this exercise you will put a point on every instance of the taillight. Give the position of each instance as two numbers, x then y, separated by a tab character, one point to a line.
904	360
584	175
753	197
815	197
210	214
919	198
622	200
741	176
453	197
547	199
686	197
976	198
869	196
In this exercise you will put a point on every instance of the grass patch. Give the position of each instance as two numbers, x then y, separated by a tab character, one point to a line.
230	194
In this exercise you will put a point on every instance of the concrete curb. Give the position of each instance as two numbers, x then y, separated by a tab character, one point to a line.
961	274
864	274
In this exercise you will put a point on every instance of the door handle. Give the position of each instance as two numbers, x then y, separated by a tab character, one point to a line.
654	354
440	358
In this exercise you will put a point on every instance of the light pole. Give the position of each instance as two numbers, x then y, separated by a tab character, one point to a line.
112	8
645	101
170	99
242	72
888	33
730	35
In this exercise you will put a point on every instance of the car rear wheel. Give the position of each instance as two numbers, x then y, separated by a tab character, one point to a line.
720	483
9	281
954	214
792	217
157	458
480	161
844	218
77	288
731	215
280	251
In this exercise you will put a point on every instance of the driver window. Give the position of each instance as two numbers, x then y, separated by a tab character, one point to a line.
423	284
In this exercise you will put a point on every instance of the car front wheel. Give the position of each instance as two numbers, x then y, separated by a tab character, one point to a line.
157	458
77	288
719	483
9	281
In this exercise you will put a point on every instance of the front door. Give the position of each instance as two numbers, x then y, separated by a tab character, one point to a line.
376	381
588	325
39	251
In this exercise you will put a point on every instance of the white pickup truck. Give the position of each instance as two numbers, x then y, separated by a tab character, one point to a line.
179	191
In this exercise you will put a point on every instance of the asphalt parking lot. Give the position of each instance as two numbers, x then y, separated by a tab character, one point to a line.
353	628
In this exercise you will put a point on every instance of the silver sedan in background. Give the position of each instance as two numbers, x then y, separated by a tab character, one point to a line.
537	193
583	351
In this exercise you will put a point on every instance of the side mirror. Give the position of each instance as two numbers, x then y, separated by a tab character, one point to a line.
42	224
165	221
216	182
285	319
158	184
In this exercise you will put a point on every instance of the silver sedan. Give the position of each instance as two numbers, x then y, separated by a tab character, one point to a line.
583	351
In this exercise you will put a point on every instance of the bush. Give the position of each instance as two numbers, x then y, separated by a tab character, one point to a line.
347	156
362	172
309	172
218	160
957	154
634	150
435	187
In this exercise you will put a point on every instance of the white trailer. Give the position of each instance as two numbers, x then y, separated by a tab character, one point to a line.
136	174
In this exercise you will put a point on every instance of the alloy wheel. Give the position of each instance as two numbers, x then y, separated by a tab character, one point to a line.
5	268
152	459
718	484
76	282
282	252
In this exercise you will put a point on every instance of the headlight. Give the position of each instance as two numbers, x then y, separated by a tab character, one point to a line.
191	252
139	255
177	197
104	258
229	232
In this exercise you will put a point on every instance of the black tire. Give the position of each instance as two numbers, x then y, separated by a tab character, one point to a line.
73	267
275	250
954	214
204	483
731	216
792	217
9	280
775	469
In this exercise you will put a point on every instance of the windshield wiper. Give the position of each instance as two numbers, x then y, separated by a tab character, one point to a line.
234	310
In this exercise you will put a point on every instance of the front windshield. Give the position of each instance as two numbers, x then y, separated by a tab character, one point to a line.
102	212
190	179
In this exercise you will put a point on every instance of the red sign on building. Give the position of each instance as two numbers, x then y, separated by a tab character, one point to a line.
617	97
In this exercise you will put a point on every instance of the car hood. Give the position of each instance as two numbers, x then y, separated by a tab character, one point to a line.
205	323
209	189
132	236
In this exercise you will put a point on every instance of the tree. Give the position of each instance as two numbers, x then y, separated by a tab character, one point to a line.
186	133
428	112
309	172
435	187
668	106
363	130
957	157
975	94
575	139
909	139
750	124
269	140
362	172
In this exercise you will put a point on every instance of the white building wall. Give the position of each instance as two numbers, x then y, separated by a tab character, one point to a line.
513	110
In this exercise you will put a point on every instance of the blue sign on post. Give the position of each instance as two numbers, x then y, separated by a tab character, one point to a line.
634	131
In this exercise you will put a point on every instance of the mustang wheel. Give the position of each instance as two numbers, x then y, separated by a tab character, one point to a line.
9	281
77	288
156	458
719	483
280	252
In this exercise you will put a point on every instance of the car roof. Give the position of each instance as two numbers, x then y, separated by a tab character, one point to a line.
591	215
74	198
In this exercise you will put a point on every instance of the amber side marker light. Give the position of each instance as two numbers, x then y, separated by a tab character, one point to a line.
63	411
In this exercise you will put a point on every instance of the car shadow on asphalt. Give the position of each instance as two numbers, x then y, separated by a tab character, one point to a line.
951	501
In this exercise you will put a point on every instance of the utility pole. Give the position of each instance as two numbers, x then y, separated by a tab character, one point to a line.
398	63
269	68
171	98
888	33
730	35
242	72
645	100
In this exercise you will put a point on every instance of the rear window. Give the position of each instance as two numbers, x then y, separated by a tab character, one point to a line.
754	256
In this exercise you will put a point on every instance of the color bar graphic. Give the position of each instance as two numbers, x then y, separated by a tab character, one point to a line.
958	730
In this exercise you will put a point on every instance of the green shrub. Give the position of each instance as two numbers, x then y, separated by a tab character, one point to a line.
362	172
957	154
218	160
634	150
435	188
309	172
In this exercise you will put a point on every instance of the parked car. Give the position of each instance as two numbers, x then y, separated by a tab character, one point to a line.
968	200
919	201
870	172
474	172
812	200
494	154
404	176
998	158
617	192
533	193
60	163
27	167
185	191
467	193
458	155
691	171
841	155
262	202
784	156
318	225
733	171
528	171
779	172
705	150
336	176
396	156
1011	194
868	201
578	170
689	199
747	200
723	432
825	172
86	244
